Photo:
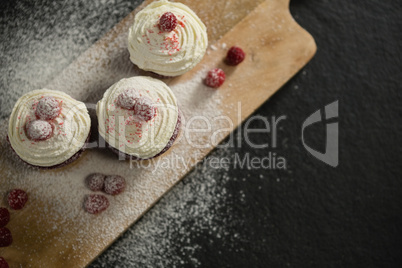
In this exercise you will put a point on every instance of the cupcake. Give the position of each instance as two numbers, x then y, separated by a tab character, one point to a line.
139	117
167	38
48	128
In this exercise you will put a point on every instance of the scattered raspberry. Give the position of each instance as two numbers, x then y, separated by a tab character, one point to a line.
128	98
96	203
95	181
5	237
4	217
144	109
114	184
215	78
235	56
3	263
39	130
48	108
167	22
17	199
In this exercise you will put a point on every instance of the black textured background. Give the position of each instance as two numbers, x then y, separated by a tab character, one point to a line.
311	215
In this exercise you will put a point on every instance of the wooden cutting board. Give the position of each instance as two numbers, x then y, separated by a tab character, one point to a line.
53	230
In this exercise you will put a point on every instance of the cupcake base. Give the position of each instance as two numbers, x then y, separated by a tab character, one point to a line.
65	163
160	76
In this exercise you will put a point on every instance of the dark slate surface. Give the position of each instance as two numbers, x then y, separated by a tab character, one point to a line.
310	214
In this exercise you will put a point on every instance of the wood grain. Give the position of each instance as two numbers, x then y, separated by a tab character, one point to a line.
277	48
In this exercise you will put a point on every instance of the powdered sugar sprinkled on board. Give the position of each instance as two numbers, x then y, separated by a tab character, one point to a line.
61	192
167	235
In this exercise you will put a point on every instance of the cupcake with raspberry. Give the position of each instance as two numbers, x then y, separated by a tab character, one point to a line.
139	117
167	38
48	128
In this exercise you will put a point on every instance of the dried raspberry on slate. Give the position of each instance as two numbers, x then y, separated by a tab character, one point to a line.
5	237
167	22
114	184
48	108
95	181
96	203
17	199
235	56
39	130
144	109
215	78
128	98
3	263
4	217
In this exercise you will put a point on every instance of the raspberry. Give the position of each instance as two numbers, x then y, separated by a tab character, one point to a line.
48	108
215	78
144	109
39	130
96	203
95	181
167	22
3	263
4	217
235	56
128	98
5	237
114	184
17	199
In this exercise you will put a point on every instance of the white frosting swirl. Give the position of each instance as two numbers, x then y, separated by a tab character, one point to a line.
167	53
70	129
124	131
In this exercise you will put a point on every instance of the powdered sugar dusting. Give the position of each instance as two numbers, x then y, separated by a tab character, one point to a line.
43	39
61	192
59	195
168	235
